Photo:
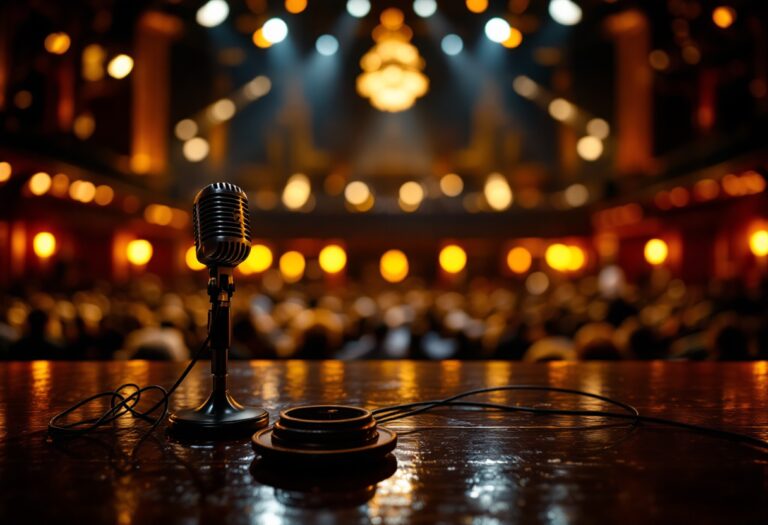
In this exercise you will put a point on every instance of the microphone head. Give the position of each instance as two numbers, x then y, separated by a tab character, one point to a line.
222	227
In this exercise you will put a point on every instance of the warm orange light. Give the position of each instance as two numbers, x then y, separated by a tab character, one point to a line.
120	66
292	266
139	252
514	40
723	16
452	258
679	196
477	6
451	185
332	258
558	257
392	18
260	40
5	171
40	183
159	214
104	195
732	185
706	189
44	244
519	259
295	6
656	252
82	191
577	258
394	266
258	261
758	243
190	257
57	43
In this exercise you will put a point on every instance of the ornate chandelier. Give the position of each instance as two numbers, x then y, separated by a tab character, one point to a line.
392	77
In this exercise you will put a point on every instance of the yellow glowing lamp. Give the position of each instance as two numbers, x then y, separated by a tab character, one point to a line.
40	183
577	258
139	252
519	259
656	252
191	259
394	266
758	243
332	258
558	257
452	258
292	266
258	261
44	244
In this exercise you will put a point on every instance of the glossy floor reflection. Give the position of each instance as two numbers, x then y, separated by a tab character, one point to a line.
451	467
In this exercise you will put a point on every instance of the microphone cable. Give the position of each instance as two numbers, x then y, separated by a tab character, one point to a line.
631	414
122	403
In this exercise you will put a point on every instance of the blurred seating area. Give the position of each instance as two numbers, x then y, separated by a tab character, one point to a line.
598	317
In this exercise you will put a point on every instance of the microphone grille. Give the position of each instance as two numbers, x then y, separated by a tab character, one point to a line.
222	226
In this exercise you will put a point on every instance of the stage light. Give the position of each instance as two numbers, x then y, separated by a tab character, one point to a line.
327	45
589	148
451	185
358	8
332	258
411	194
44	244
357	193
424	8
451	45
190	257
5	171
477	6
259	260
599	128
295	6
565	12
537	283
297	191
120	66
577	259
679	197
723	16
706	189
222	110
497	192
292	265
519	259
394	266
185	129
57	43
260	40
758	243
159	214
196	149
525	87
275	30
212	13
656	252
258	87
93	62
576	195
452	259
60	185
514	40
497	30
103	195
558	257
562	110
40	183
84	126
139	252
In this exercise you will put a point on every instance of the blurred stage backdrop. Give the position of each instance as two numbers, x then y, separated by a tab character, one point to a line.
523	179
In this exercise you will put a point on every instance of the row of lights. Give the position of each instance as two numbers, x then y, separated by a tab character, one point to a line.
120	66
732	185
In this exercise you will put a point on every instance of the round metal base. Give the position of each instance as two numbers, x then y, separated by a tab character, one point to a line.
194	423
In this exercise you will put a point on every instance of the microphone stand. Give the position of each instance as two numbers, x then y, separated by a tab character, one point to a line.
220	415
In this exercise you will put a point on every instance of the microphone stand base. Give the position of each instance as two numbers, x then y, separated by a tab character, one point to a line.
219	417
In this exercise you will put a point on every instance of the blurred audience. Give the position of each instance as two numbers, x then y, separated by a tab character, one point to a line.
592	318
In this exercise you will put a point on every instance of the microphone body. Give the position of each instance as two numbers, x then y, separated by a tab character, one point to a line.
222	227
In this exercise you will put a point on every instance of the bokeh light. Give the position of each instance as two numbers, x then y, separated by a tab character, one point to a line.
451	185
477	6
393	266
292	265
656	252
758	243
120	66
139	252
558	257
190	257
452	259
723	16
258	261
357	193
57	43
565	12
327	45
358	8
332	258
275	30
589	148
5	171
519	259
44	244
424	8
497	30
452	44
196	149
295	6
212	13
39	183
497	192
297	191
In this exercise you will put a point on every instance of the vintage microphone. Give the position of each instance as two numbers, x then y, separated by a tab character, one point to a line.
222	241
